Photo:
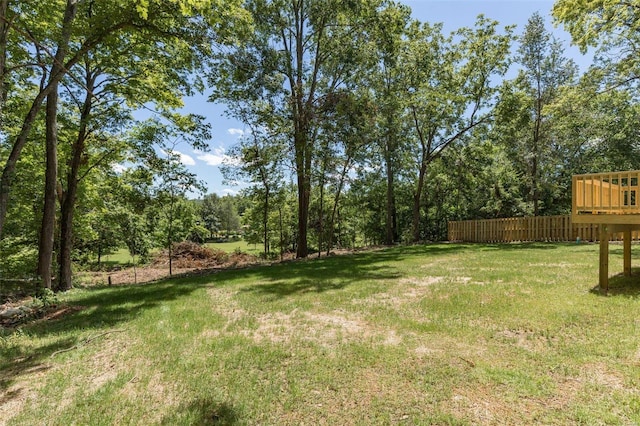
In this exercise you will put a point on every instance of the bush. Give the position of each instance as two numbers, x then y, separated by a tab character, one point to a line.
19	258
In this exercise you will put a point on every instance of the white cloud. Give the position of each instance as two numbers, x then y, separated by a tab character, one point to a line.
235	132
214	158
185	159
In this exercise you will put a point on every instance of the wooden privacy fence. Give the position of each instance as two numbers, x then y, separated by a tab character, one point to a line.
541	228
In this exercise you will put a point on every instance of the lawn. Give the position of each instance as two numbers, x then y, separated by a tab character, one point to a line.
241	246
120	257
437	334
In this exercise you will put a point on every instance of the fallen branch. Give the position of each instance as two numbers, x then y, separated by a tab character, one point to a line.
470	363
86	341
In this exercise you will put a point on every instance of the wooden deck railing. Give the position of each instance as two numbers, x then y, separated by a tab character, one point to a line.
542	228
606	193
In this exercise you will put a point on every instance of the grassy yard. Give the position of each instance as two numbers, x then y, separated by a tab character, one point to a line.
437	334
241	245
120	257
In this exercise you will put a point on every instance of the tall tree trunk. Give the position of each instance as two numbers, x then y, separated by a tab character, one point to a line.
101	238
9	169
332	220
67	210
390	224
47	230
4	36
281	232
536	149
417	201
535	195
304	192
265	222
321	224
425	152
170	235
303	167
58	70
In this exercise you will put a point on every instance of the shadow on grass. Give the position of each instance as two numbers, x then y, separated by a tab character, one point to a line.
337	272
16	362
104	308
109	307
203	412
620	285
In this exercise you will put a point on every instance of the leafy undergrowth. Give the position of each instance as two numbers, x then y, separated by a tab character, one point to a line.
437	334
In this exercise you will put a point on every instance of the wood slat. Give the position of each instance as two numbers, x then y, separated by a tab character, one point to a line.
524	229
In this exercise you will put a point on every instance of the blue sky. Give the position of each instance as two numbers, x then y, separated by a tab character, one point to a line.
452	13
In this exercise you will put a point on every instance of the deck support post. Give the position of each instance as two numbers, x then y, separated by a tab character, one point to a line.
604	258
627	252
611	201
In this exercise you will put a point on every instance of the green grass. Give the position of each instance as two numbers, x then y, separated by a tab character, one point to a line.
241	245
437	334
120	257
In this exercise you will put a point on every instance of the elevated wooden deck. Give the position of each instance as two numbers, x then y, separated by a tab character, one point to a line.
611	200
608	198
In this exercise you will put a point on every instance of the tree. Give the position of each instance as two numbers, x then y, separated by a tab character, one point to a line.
347	134
598	129
79	159
181	24
525	125
136	237
297	56
613	28
210	214
173	181
45	250
453	90
545	70
609	25
101	82
386	78
258	158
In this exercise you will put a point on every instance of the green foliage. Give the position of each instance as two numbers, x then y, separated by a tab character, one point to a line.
599	22
19	258
280	226
531	136
177	220
220	214
135	235
46	297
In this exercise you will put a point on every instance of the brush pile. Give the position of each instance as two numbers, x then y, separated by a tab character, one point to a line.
192	255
